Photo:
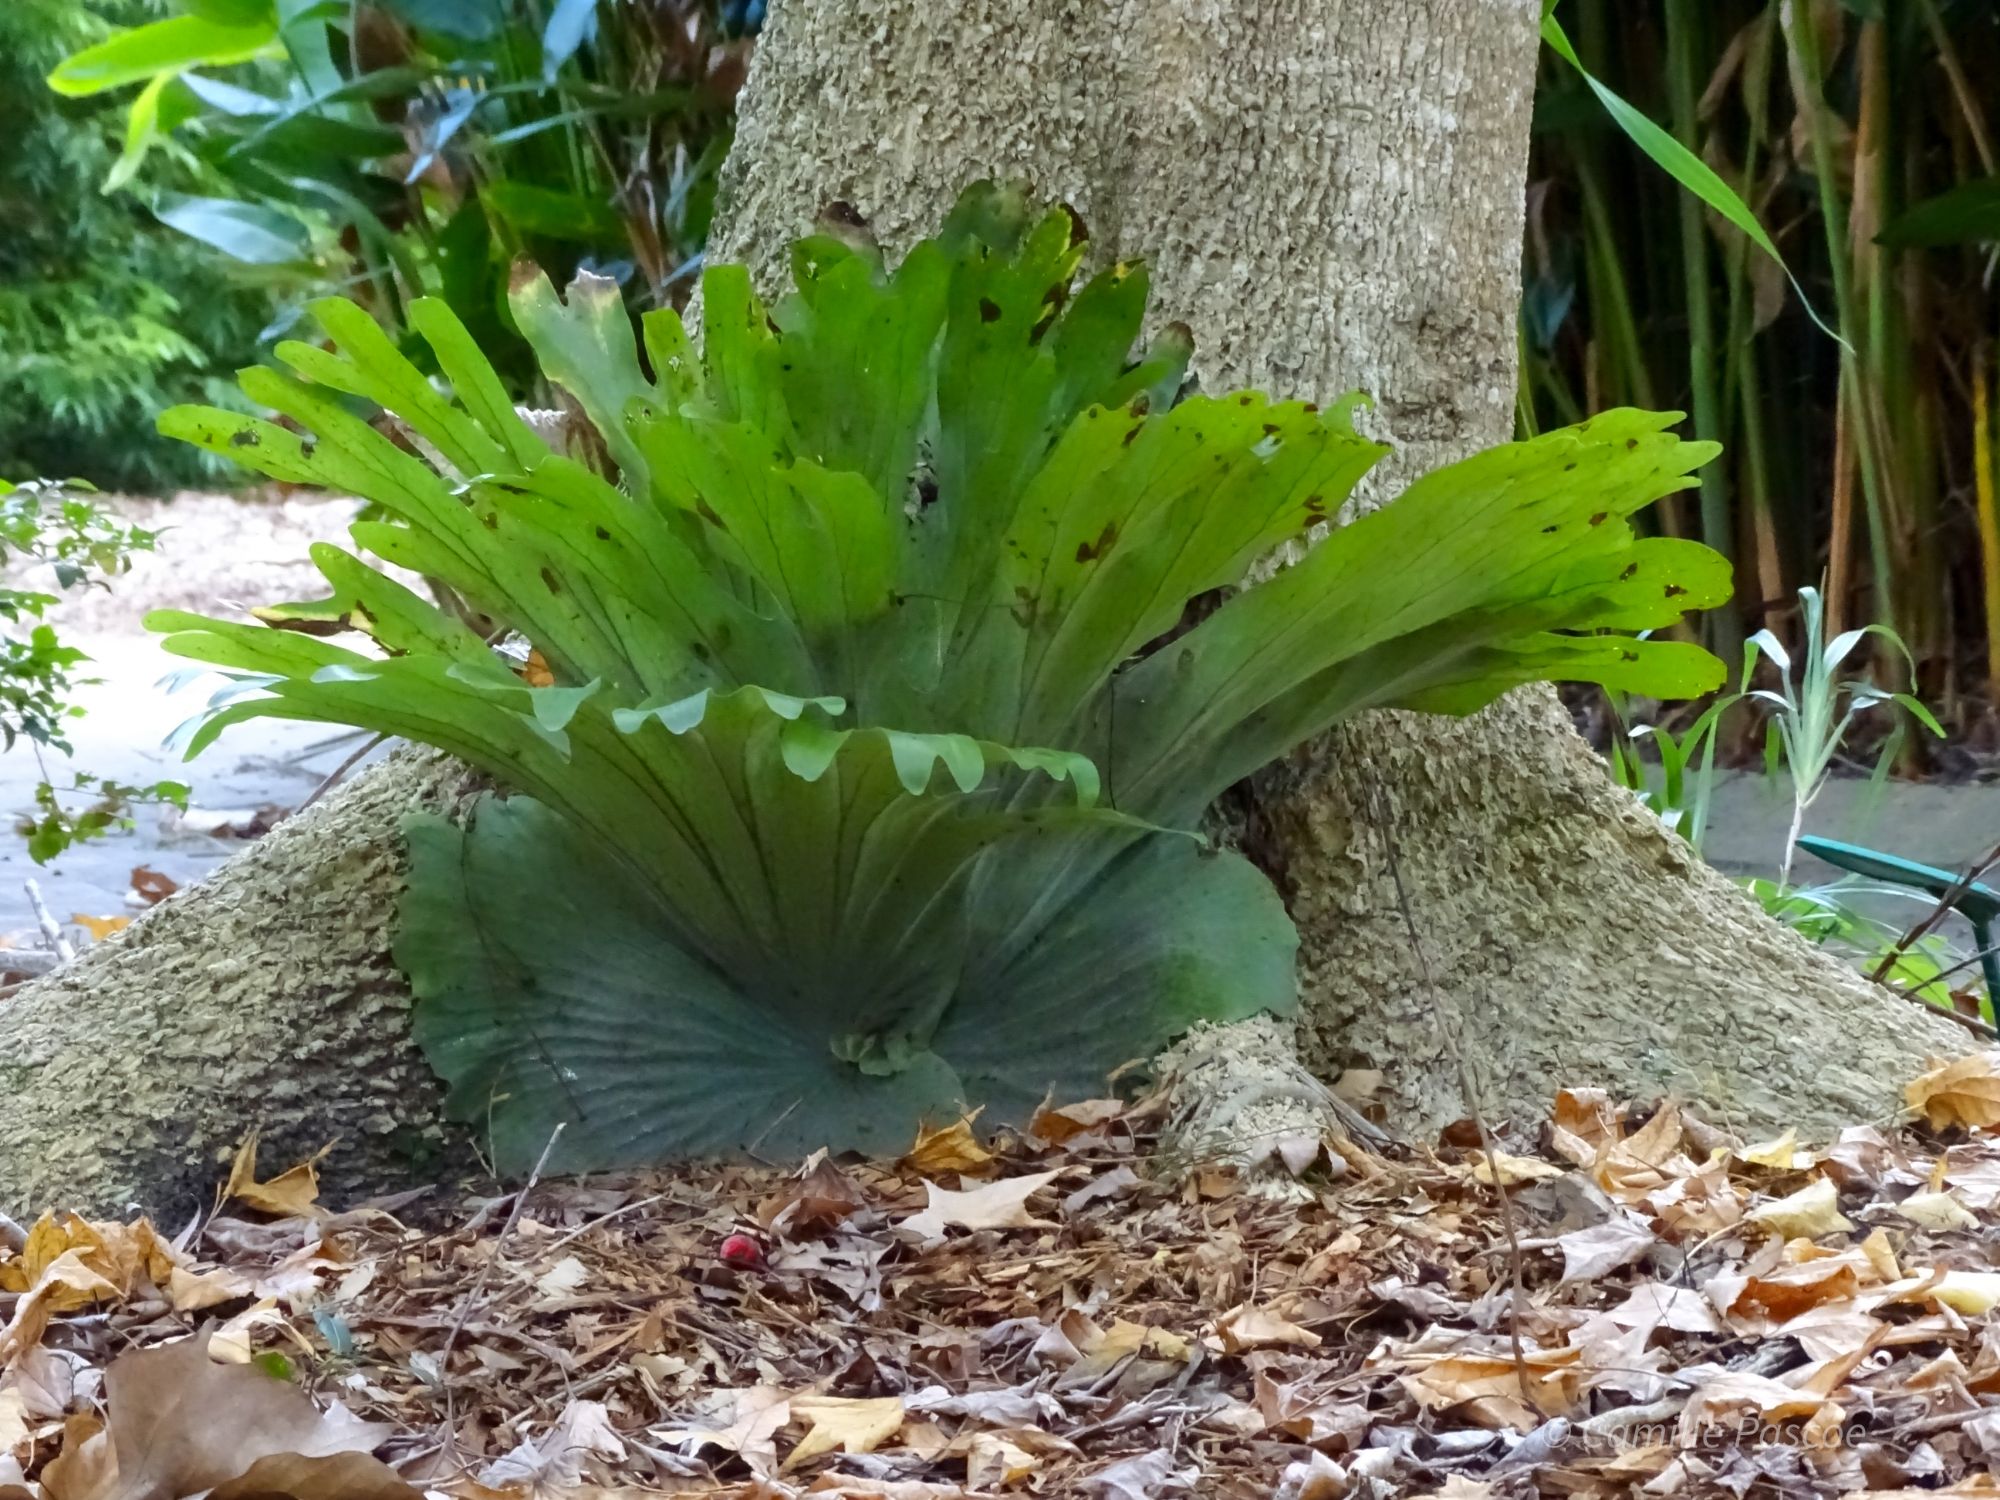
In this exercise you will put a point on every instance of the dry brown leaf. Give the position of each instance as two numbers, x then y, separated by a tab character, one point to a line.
292	1194
1645	1161
850	1424
1974	1293
1514	1170
821	1200
335	1476
1881	1256
1584	1125
1059	1125
152	886
66	1284
993	1461
535	670
1662	1305
1962	1092
1603	1248
760	1414
1554	1381
1303	1411
1937	1211
955	1148
14	1429
1722	1405
993	1205
179	1424
1812	1211
1757	1303
1244	1328
1780	1155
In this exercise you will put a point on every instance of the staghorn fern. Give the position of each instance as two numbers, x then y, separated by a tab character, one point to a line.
861	784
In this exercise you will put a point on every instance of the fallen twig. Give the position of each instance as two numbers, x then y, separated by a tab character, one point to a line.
1945	903
472	1297
52	934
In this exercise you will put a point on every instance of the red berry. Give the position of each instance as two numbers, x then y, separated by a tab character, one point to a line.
744	1253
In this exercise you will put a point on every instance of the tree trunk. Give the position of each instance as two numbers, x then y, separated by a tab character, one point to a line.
1330	193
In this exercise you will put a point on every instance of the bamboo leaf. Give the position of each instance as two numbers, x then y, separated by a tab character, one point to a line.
1689	170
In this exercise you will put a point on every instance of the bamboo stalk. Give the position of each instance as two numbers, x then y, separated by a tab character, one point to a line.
1859	428
1723	625
1987	507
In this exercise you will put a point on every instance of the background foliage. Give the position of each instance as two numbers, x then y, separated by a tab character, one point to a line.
105	316
1862	143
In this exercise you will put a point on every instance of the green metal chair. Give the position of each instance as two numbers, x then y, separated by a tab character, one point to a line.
1978	904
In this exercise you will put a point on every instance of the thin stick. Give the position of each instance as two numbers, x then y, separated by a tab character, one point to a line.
1945	903
51	933
333	777
479	1286
1379	814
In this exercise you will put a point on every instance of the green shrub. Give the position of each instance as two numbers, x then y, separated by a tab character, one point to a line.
51	530
875	716
412	147
105	315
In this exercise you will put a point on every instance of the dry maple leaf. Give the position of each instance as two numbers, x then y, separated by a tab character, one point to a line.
850	1424
1245	1328
289	1195
552	1466
952	1149
1454	1379
1059	1125
1603	1248
1584	1125
821	1200
1937	1211
1724	1403
1514	1170
178	1424
1964	1092
1780	1155
993	1205
1812	1211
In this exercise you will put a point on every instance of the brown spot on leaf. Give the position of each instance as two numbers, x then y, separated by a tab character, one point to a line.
1674	591
707	512
1600	518
1092	551
989	310
1630	569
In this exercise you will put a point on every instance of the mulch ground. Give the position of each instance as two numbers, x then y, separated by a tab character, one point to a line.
1678	1313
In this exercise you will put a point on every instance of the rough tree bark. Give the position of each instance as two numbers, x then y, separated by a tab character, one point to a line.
1330	193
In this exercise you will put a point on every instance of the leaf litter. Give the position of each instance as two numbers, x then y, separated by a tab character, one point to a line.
1053	1314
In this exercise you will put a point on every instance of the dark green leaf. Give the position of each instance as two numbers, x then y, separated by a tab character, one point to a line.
1967	214
247	231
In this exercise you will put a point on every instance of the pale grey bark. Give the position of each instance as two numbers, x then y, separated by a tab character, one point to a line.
263	999
1330	193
